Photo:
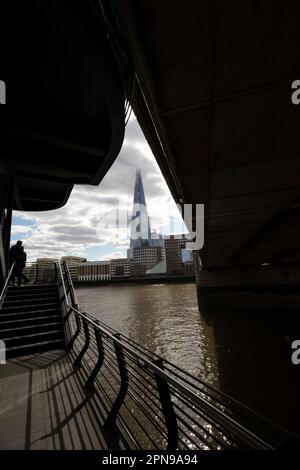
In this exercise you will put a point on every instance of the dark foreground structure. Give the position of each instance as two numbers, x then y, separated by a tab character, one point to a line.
210	83
211	86
72	382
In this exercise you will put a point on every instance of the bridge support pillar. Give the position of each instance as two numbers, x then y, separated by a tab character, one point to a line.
260	287
254	318
6	203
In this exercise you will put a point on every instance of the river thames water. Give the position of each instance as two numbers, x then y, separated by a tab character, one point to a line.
162	317
246	355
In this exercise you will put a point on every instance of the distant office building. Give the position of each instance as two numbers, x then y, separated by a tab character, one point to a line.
94	271
120	268
73	264
145	259
189	268
179	260
186	256
30	271
42	270
157	239
73	260
45	261
188	262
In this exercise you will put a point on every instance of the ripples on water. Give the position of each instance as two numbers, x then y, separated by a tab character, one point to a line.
162	317
245	355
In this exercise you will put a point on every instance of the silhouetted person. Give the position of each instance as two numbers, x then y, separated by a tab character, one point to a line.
15	252
20	264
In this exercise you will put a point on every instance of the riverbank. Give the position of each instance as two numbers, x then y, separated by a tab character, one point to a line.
150	280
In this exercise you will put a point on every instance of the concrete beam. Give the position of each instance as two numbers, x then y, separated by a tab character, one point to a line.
243	289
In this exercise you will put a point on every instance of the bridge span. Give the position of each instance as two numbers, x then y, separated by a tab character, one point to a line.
211	85
213	96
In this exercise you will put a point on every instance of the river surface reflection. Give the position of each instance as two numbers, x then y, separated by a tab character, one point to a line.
246	354
162	317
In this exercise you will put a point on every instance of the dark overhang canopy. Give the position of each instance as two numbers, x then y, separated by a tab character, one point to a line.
63	122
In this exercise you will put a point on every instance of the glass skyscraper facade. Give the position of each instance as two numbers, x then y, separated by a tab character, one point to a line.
140	230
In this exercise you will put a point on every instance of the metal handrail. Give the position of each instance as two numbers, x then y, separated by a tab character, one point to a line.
184	390
210	391
197	400
6	284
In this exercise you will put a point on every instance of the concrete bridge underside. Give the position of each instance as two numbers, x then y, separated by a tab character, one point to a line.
212	93
213	96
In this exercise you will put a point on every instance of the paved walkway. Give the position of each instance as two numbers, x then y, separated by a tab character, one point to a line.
43	405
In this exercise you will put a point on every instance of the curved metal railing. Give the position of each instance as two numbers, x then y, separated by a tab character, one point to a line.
149	400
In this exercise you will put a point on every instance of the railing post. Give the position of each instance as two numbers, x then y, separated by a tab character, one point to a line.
55	273
69	285
111	419
86	343
167	408
36	273
90	382
66	317
77	332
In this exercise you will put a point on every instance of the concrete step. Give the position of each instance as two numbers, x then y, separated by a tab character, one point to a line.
24	290
36	348
30	321
33	286
21	330
21	340
36	301
29	308
30	289
28	315
22	294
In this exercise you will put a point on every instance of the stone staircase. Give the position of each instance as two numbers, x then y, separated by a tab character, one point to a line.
30	320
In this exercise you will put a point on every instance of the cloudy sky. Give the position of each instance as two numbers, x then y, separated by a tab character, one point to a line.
84	227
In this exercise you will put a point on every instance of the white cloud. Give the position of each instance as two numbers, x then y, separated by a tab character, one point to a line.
76	227
114	255
20	229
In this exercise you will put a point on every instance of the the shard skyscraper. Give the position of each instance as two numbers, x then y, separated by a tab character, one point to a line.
140	231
